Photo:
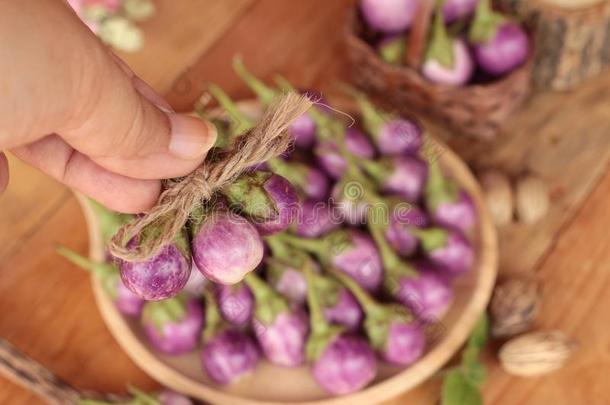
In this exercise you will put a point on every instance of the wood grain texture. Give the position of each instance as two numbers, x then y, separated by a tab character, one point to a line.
46	304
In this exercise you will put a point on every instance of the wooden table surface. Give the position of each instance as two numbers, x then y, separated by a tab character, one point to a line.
47	307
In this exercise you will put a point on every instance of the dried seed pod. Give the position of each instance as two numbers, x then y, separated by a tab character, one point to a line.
513	306
535	353
532	199
498	196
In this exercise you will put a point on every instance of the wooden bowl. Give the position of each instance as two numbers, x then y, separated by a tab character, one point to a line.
271	384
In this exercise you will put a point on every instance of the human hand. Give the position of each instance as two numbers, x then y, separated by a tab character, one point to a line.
75	111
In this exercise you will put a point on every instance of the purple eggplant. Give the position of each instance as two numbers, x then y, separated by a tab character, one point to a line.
426	293
162	276
280	331
351	251
393	135
404	176
308	180
389	16
505	51
267	199
404	217
349	205
173	326
126	301
454	10
235	303
391	329
392	49
340	362
447	249
303	129
500	45
447	205
287	280
448	60
227	354
225	246
315	219
339	305
332	160
347	364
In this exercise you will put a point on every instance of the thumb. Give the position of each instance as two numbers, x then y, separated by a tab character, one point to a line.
125	127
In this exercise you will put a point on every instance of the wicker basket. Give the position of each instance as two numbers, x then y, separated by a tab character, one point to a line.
478	110
574	43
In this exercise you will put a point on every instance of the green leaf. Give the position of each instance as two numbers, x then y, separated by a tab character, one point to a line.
478	337
459	390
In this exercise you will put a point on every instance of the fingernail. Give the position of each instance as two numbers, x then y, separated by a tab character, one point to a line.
191	137
148	93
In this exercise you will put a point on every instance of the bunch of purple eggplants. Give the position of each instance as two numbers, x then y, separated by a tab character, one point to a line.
337	256
468	41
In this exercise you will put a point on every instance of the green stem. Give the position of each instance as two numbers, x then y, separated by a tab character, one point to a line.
265	93
369	305
259	288
377	170
242	122
315	246
317	320
373	118
109	221
143	398
213	319
279	248
99	269
441	45
484	23
431	238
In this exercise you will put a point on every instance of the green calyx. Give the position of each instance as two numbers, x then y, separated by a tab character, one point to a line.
214	323
440	47
108	221
378	170
485	23
248	195
324	249
264	93
373	118
328	290
322	333
431	238
393	51
159	313
239	122
377	324
438	189
393	276
269	304
107	273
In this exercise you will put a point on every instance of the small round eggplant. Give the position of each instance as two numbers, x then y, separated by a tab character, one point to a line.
347	364
389	16
267	199
235	303
398	233
344	310
226	247
315	219
404	176
162	276
505	51
454	10
229	355
173	326
447	249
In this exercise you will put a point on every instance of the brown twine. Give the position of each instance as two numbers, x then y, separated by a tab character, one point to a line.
268	139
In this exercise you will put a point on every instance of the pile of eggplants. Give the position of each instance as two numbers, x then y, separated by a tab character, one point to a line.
340	254
468	41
